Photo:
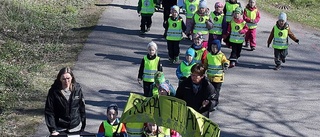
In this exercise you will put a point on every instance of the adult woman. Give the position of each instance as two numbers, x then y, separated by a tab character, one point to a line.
65	106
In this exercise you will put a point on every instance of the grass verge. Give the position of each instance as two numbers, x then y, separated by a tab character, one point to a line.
37	38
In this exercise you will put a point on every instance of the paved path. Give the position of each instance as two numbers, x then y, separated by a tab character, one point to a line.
255	99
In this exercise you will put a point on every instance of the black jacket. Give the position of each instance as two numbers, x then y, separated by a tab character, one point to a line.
61	113
206	92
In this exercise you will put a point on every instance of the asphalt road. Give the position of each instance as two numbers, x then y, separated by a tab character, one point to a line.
255	99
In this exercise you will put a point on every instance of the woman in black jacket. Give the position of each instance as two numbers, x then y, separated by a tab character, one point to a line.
65	105
198	92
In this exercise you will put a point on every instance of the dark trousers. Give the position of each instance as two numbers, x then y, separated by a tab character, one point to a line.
217	86
173	48
280	54
236	50
146	21
147	89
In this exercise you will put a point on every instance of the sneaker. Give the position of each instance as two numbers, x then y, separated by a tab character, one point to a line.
176	60
148	29
232	64
142	32
246	44
171	60
278	67
253	48
283	60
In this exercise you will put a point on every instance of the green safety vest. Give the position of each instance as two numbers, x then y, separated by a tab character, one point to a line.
229	10
155	90
134	129
214	65
150	68
199	53
280	40
191	8
217	24
252	15
200	24
186	70
109	129
235	36
147	7
174	30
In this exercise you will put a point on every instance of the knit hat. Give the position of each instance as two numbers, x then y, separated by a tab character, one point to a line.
203	4
283	16
238	10
176	8
152	44
190	52
159	77
165	87
113	106
216	42
197	35
218	4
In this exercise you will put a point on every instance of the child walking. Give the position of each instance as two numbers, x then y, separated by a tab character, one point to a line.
215	64
184	69
279	35
218	24
112	125
145	9
252	16
197	45
236	30
175	28
191	7
228	9
149	65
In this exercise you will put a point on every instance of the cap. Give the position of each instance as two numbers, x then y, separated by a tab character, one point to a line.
112	106
164	87
159	77
283	16
203	4
176	8
190	52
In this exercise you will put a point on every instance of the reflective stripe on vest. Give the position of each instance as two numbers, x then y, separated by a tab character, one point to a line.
252	15
134	129
280	40
186	70
200	24
109	129
235	36
150	68
174	30
147	7
199	53
217	24
229	10
214	65
191	8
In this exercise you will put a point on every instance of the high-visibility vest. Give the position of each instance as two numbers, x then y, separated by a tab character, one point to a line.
147	7
110	129
165	132
134	129
229	10
217	24
199	53
215	68
150	68
174	30
235	36
280	40
252	15
186	69
200	24
191	8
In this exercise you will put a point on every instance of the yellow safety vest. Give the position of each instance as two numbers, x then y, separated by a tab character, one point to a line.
215	69
252	15
186	70
191	8
147	7
235	36
217	24
199	53
229	10
150	68
109	129
200	24
174	30
280	40
134	129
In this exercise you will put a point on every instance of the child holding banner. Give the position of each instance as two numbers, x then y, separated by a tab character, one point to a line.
149	65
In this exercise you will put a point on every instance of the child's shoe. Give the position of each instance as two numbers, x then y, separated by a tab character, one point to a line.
253	48
176	60
232	64
171	60
283	60
148	29
246	44
278	67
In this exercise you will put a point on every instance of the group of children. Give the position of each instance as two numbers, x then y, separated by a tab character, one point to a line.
207	30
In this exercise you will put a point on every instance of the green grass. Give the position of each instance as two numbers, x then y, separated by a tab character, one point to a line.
36	40
301	11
